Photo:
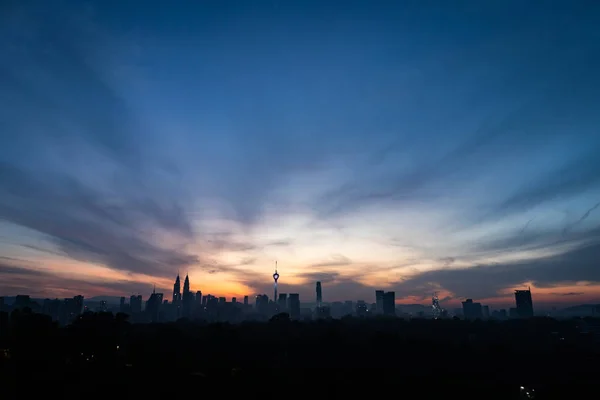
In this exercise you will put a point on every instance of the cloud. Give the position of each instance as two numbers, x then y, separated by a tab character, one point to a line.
17	280
569	294
447	261
75	172
10	269
280	243
580	220
88	224
562	182
105	155
337	260
485	281
323	277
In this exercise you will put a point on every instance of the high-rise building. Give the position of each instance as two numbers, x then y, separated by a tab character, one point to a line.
186	299
524	303
262	304
177	291
245	300
361	308
348	307
199	298
322	312
135	304
22	301
52	308
153	306
379	301
485	311
472	310
233	300
77	305
389	303
282	302
294	305
319	295
122	307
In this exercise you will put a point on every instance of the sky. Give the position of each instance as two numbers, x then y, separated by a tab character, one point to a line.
415	146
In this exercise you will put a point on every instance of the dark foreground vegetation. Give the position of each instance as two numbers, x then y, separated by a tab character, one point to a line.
103	356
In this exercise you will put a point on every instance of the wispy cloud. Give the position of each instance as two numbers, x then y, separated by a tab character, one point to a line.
428	164
337	260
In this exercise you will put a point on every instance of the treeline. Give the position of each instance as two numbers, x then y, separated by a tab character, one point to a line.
426	355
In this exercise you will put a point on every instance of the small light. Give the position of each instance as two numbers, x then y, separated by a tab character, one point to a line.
117	347
522	388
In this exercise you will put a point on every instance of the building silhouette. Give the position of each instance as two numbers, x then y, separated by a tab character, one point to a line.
389	303
262	304
472	310
198	300
379	301
282	302
524	303
177	297
361	308
135	304
186	299
123	305
153	305
485	311
294	305
319	295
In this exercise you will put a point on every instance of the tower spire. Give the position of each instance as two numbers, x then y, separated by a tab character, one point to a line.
275	278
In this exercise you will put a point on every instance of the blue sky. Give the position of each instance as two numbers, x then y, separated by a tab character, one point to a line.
416	147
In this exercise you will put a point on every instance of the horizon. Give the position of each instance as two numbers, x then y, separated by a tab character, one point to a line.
403	147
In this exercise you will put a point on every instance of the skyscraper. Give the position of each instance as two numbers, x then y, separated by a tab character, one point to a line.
389	303
282	302
524	303
472	310
177	291
186	284
187	298
294	305
135	304
319	295
153	306
379	301
262	304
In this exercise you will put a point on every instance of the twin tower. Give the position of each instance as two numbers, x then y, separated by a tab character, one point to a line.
183	301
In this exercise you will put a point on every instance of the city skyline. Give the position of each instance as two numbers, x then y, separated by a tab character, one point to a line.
393	147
